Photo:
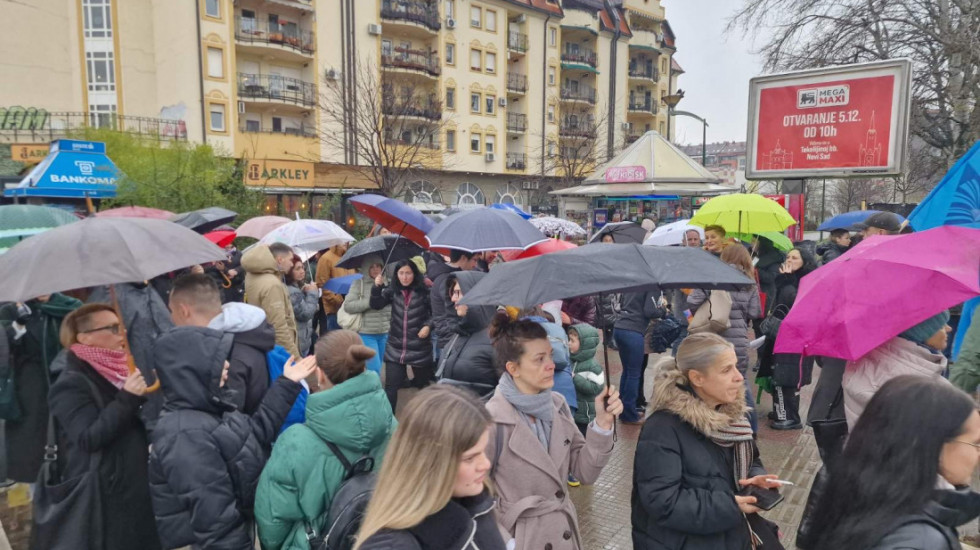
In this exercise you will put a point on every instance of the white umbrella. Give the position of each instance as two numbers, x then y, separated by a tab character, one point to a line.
672	234
307	237
552	226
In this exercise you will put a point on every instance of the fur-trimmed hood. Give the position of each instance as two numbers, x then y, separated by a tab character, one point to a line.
672	393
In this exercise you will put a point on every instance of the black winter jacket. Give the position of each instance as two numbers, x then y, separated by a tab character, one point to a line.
770	260
116	431
464	524
831	251
935	527
638	309
786	369
404	344
468	353
443	314
207	456
254	337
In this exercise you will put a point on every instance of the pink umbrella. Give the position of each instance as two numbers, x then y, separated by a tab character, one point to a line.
221	238
261	226
880	288
135	212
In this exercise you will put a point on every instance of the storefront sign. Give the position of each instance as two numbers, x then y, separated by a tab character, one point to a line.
28	153
280	173
836	122
698	202
599	217
626	174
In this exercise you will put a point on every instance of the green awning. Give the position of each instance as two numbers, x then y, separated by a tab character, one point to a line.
579	28
579	67
645	48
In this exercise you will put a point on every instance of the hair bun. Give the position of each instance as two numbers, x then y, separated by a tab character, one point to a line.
499	325
358	354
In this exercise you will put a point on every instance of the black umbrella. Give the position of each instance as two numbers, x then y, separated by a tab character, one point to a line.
205	219
392	247
622	233
483	229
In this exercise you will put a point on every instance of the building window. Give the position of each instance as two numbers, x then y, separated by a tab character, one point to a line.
451	99
490	21
97	18
386	48
476	17
468	194
217	118
551	148
450	53
490	100
213	8
491	62
476	59
509	194
475	102
216	64
102	116
252	125
552	76
450	140
552	36
101	71
488	143
662	130
450	8
551	114
475	145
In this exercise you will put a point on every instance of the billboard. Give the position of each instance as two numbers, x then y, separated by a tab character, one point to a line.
846	121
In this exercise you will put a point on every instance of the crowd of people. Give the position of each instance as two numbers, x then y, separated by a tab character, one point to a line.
241	403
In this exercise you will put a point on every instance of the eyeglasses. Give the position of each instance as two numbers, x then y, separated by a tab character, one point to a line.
114	328
974	445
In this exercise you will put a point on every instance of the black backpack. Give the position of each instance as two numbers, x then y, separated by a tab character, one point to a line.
349	504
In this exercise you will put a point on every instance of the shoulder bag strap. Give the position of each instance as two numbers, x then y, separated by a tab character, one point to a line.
498	444
445	355
340	456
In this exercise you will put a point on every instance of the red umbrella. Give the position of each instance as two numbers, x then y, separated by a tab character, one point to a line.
135	212
221	238
547	247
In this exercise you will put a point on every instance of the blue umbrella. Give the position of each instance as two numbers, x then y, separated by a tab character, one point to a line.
511	208
848	220
341	285
394	215
483	229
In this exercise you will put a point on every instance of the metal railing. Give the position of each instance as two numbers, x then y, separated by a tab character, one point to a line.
430	112
252	31
583	93
637	71
416	60
517	82
516	41
582	56
516	161
577	130
39	125
630	138
429	143
516	122
276	88
302	131
423	13
647	106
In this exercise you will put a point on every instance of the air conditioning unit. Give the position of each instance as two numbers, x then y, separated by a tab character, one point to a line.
530	185
502	101
520	19
333	74
626	125
450	23
374	29
489	157
241	106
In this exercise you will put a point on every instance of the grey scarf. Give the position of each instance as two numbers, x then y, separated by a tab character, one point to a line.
540	406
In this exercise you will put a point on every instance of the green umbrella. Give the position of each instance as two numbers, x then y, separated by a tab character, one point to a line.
18	221
779	240
741	213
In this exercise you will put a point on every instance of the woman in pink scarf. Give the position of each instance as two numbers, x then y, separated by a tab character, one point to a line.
95	404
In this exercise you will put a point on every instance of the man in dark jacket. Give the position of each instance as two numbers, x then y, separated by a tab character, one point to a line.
840	242
195	301
468	354
443	317
206	456
638	309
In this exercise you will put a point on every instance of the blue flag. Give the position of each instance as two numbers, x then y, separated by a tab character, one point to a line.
956	199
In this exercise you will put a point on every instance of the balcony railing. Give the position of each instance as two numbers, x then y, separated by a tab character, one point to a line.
416	60
630	138
303	131
429	143
582	56
252	31
644	72
647	106
430	112
516	41
580	94
517	82
39	125
516	161
423	13
276	88
516	122
577	130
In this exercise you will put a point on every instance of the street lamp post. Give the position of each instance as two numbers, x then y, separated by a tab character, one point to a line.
671	101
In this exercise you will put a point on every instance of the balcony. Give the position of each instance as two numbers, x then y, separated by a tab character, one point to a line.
516	83
580	57
254	128
516	161
399	110
577	130
516	122
644	73
630	138
281	89
429	143
416	13
582	93
645	107
418	61
39	125
517	42
251	32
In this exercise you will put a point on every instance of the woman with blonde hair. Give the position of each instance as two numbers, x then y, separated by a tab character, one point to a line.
432	491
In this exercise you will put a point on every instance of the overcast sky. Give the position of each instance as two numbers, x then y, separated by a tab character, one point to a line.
717	68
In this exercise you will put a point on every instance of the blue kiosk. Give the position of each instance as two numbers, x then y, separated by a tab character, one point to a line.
72	170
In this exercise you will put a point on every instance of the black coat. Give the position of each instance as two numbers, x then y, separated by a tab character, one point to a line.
207	456
443	314
638	309
404	344
248	375
935	527
118	433
463	524
831	251
468	352
786	369
767	268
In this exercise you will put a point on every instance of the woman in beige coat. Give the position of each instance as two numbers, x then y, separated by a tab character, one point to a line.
535	443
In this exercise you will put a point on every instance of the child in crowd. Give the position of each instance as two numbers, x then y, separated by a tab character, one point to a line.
583	340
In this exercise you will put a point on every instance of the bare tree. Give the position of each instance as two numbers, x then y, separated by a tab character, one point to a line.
848	194
386	124
942	37
580	147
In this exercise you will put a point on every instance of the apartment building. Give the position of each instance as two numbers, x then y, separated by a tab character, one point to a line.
499	89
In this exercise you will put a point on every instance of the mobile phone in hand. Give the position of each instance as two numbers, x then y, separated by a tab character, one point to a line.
766	499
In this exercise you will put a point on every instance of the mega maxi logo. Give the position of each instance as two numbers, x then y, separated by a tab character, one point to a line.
825	96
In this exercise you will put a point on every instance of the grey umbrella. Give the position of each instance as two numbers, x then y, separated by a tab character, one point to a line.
392	247
622	233
205	219
483	229
602	268
100	251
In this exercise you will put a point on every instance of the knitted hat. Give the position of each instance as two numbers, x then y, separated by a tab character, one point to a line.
924	330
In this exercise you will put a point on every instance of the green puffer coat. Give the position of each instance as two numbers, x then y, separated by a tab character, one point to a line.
587	373
302	475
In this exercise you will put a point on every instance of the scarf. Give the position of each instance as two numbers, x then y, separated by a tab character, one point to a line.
111	364
738	434
539	406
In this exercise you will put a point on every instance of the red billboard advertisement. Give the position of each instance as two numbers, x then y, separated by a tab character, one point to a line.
834	122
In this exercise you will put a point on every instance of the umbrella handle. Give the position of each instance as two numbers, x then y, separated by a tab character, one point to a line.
130	362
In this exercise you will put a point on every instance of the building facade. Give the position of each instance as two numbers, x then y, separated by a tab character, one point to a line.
725	159
496	95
